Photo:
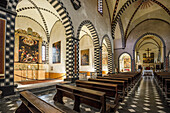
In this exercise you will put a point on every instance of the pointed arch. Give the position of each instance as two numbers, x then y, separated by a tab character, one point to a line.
110	55
95	37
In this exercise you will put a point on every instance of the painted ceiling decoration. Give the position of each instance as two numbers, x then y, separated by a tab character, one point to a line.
133	12
36	10
146	4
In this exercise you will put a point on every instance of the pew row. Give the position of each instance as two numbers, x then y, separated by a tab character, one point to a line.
121	86
80	95
33	104
163	80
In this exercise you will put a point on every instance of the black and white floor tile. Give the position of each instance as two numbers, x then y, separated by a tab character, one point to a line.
145	98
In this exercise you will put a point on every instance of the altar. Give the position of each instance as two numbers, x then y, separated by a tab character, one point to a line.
147	72
28	62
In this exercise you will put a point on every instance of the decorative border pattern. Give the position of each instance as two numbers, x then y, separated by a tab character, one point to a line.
97	49
109	49
115	9
125	6
67	23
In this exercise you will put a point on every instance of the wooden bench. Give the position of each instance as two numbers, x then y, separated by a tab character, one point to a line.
126	80
33	104
121	85
0	94
109	89
92	98
167	87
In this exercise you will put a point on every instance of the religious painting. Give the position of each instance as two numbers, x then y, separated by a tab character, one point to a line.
84	57
104	59
127	63
28	50
149	59
144	55
2	47
57	52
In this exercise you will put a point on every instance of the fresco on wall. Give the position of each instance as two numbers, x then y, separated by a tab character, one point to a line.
57	52
104	59
28	50
2	47
84	57
127	63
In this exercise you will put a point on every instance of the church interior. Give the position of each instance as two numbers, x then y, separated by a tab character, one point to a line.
87	56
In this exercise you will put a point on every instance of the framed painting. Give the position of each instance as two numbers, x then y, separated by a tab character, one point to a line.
2	46
57	52
28	50
85	57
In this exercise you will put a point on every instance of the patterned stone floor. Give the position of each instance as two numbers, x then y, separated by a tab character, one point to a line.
144	98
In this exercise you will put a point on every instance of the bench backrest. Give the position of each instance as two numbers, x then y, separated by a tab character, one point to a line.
37	105
87	96
109	89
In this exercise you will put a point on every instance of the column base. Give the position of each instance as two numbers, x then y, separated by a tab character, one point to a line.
7	90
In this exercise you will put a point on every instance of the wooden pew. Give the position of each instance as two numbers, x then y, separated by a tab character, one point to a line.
127	80
167	88
92	98
121	85
130	77
134	75
109	89
33	104
161	77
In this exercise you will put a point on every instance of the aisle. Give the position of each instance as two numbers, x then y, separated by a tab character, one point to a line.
146	98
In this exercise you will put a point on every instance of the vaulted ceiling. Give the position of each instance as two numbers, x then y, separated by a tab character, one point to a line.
127	14
39	11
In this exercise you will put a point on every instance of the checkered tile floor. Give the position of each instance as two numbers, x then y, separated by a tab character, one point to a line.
145	98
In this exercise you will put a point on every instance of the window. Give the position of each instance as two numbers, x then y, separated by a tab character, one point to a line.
100	6
43	53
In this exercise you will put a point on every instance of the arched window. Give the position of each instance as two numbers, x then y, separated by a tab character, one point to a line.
100	6
125	63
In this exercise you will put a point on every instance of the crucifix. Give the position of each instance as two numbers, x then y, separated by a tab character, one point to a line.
148	51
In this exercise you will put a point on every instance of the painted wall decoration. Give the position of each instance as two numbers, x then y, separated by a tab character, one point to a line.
2	47
84	57
28	50
104	59
127	63
57	52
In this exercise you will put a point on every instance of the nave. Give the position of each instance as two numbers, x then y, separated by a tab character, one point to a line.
145	97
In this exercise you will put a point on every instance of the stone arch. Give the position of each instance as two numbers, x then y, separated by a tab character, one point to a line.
67	23
95	37
119	58
168	58
154	34
125	6
110	55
